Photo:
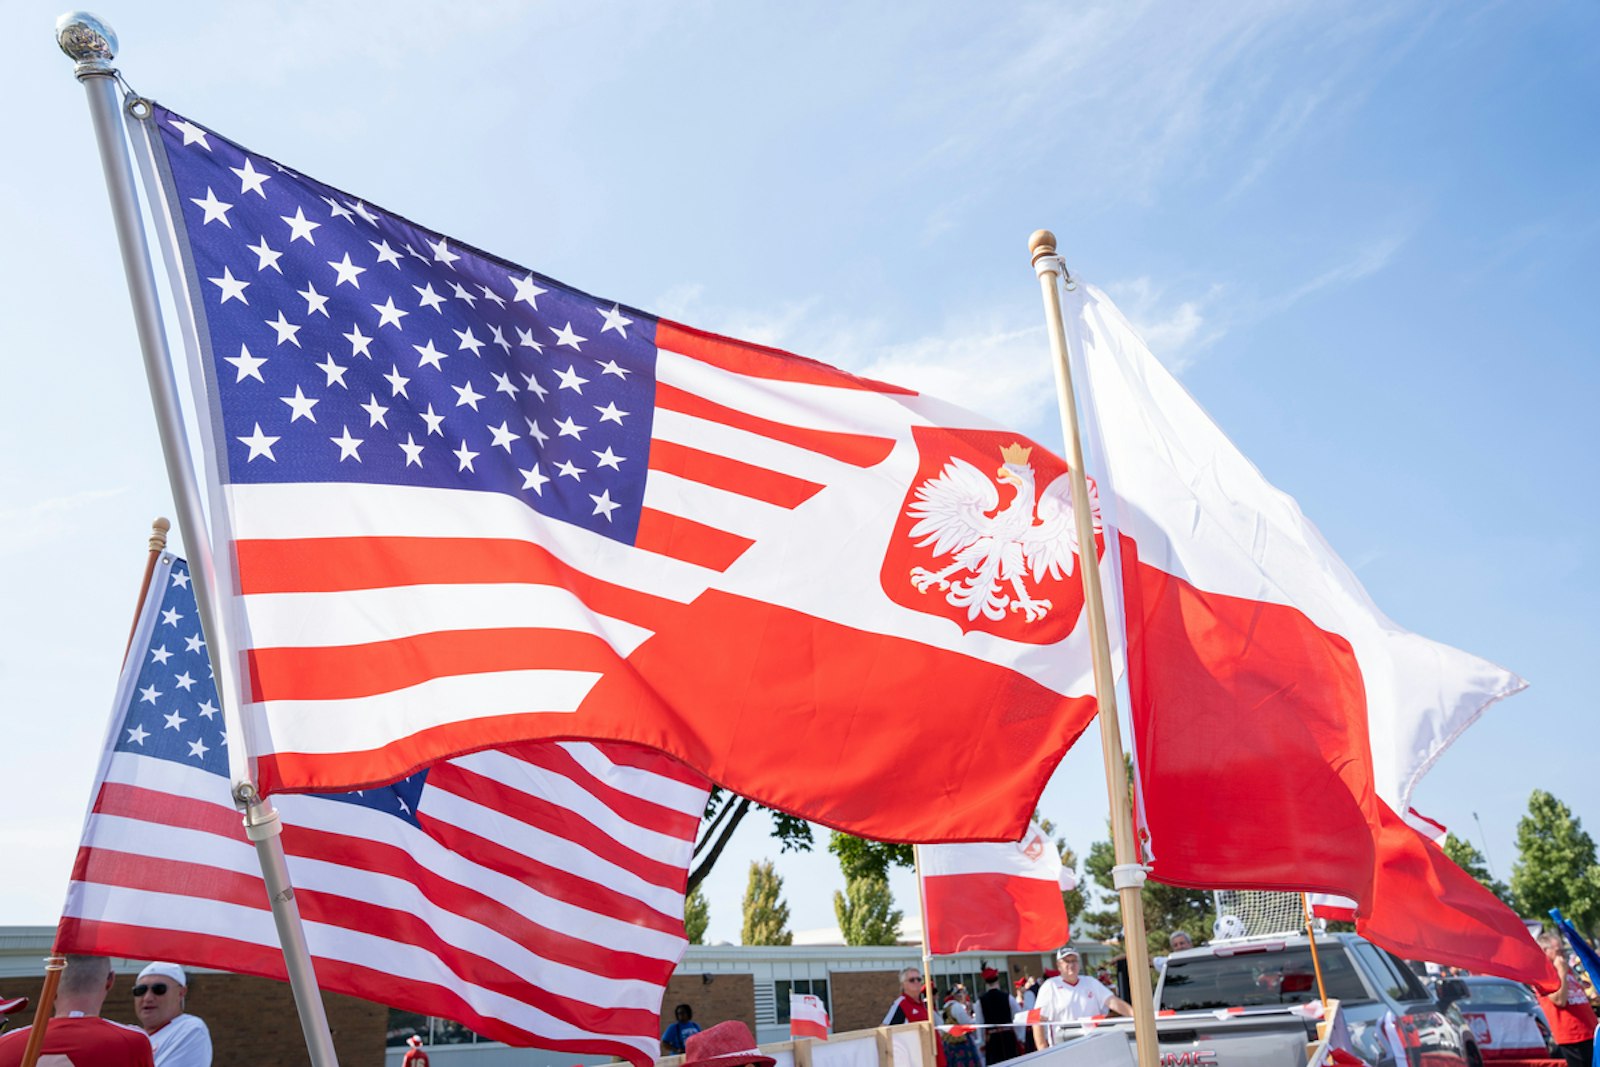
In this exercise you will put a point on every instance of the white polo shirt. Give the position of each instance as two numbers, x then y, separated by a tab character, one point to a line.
1059	1002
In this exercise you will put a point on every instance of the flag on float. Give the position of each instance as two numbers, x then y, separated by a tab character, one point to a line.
534	894
467	505
808	1017
1267	684
995	897
1332	907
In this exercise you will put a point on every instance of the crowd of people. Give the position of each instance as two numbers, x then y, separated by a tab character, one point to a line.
166	1036
996	1026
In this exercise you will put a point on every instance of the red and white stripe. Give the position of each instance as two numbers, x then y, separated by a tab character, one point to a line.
994	897
748	631
540	903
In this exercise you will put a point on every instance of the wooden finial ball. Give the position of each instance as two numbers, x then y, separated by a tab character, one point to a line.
158	534
1043	242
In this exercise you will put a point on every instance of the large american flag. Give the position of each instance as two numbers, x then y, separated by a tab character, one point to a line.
534	893
468	505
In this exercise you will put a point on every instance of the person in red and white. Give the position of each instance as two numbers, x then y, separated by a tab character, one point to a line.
996	1009
415	1057
159	998
76	1034
1071	996
1572	1020
909	1006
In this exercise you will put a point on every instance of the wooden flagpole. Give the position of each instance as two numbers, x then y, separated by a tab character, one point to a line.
927	958
1128	874
54	965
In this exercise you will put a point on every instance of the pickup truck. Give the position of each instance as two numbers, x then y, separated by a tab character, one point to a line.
1253	1002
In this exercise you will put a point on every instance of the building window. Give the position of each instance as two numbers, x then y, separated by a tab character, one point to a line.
781	989
432	1030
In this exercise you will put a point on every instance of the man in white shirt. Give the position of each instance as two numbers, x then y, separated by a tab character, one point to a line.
1072	996
180	1039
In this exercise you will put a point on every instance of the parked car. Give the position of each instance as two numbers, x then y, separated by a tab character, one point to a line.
1506	1019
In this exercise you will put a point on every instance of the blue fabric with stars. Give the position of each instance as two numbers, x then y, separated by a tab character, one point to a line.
349	345
174	713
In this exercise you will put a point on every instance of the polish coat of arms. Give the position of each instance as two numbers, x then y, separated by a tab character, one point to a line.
994	547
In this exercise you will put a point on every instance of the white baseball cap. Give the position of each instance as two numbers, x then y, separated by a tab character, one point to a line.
170	971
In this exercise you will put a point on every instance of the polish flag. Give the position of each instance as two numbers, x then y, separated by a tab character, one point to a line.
1332	907
1280	720
995	897
808	1017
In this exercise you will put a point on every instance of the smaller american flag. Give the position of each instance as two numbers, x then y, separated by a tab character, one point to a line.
533	893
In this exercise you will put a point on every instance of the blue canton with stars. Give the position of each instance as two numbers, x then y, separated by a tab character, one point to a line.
349	345
175	714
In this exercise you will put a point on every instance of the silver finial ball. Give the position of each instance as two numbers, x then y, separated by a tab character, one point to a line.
84	37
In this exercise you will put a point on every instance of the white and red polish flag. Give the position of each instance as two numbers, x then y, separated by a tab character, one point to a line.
464	505
1281	721
808	1017
995	897
534	894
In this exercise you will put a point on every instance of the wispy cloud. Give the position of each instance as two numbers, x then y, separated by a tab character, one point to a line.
1364	262
44	521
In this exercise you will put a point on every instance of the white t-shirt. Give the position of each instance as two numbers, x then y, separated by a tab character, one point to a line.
1060	1003
184	1042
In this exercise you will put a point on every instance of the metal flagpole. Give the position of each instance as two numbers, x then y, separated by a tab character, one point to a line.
1128	874
92	45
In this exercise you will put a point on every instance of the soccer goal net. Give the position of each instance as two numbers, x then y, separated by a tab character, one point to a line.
1256	913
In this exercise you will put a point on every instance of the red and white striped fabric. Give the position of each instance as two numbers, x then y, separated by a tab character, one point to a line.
808	1017
534	894
994	897
1281	722
782	570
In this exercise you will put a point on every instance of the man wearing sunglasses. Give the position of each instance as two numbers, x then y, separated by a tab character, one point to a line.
908	1006
180	1039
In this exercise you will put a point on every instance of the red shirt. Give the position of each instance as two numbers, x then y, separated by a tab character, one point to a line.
1571	1018
86	1040
415	1057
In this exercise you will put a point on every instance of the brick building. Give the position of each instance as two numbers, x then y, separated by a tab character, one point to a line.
253	1021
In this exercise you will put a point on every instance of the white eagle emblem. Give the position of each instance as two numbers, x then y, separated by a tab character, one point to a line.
1033	536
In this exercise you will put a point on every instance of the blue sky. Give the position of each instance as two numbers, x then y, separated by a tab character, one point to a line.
1363	234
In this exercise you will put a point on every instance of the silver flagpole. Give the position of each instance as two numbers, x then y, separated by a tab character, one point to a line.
92	45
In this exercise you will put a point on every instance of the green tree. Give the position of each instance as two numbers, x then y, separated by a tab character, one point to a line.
766	916
866	911
1469	859
861	856
1556	865
724	812
696	916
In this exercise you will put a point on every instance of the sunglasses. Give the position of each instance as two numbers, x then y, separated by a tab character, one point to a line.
915	978
158	988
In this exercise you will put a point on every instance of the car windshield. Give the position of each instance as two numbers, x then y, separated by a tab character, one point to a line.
1258	978
1497	995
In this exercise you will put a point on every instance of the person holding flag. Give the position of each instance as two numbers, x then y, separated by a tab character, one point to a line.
1572	1020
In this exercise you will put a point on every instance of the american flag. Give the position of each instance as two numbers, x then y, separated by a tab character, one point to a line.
534	894
469	505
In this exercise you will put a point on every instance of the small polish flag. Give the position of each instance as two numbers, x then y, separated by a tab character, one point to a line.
1034	1016
808	1017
